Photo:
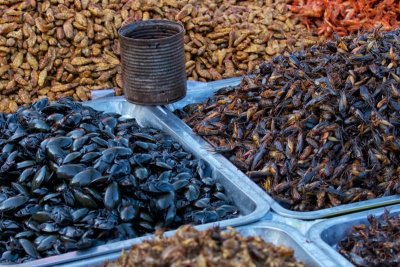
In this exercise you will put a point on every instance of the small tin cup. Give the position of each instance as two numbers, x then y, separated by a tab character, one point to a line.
153	62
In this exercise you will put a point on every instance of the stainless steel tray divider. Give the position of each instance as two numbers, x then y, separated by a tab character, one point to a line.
328	233
276	233
201	94
253	206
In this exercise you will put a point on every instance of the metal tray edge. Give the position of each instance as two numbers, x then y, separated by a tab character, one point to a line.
263	205
275	206
261	209
312	251
308	245
314	233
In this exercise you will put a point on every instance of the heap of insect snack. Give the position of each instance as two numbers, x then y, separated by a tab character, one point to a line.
348	16
212	248
57	49
317	128
73	178
376	244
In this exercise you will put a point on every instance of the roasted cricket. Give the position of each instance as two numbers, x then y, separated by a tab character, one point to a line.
375	244
316	128
210	248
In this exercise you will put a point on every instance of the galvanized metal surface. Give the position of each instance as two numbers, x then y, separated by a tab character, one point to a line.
300	225
153	61
252	206
327	234
197	92
200	94
275	233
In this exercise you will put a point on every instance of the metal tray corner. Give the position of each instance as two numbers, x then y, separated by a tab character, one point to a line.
251	205
272	232
328	233
281	234
198	96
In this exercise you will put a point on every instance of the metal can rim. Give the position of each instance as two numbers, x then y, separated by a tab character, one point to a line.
149	23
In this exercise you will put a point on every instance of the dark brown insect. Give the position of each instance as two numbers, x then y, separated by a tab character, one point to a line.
376	244
212	248
324	114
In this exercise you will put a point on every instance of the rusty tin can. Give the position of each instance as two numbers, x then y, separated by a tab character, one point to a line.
153	62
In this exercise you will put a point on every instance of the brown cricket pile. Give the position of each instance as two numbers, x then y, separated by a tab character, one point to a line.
374	244
210	248
316	128
62	48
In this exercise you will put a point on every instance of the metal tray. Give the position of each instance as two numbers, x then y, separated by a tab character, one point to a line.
251	205
327	234
275	233
200	94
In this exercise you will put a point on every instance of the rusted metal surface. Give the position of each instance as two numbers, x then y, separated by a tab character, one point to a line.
153	62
